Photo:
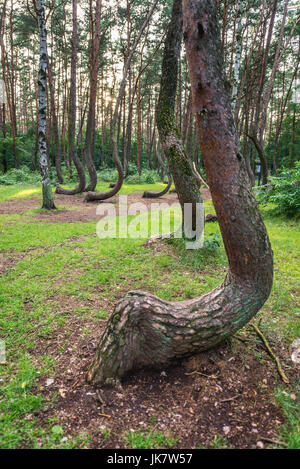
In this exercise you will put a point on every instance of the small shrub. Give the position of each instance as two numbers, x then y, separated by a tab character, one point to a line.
22	175
213	242
284	192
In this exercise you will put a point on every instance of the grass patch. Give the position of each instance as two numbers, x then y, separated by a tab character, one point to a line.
149	439
290	432
68	260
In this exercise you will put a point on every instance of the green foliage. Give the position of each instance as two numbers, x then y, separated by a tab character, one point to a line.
147	177
213	242
19	176
25	145
201	258
18	401
284	192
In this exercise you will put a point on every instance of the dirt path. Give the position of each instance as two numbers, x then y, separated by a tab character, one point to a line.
73	209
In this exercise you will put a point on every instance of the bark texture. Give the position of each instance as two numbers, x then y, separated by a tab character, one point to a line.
146	331
42	111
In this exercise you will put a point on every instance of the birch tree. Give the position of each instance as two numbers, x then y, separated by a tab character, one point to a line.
48	202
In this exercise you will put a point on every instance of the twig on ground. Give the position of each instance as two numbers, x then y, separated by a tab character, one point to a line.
231	398
201	374
275	442
271	353
105	415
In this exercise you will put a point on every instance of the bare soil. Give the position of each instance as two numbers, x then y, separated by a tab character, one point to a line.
74	209
225	391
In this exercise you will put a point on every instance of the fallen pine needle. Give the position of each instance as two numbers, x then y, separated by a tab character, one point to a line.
230	398
105	415
275	442
272	354
201	374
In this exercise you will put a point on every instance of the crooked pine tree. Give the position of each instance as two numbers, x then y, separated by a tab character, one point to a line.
146	331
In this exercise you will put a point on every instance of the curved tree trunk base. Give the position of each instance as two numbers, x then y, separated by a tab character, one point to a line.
90	187
92	196
156	195
147	332
77	190
81	175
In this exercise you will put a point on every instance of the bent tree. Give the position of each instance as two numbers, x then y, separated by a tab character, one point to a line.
42	110
146	331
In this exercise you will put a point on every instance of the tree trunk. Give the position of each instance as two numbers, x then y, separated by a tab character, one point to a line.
238	53
145	331
91	196
90	126
72	115
42	79
169	134
263	159
54	124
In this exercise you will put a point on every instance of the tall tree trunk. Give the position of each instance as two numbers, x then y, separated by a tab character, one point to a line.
238	53
113	137
170	138
42	80
145	331
72	115
90	125
54	124
169	133
13	89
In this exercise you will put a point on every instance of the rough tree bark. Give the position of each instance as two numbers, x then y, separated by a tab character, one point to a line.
146	331
42	78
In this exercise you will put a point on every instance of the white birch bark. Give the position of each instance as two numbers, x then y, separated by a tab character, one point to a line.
238	53
42	111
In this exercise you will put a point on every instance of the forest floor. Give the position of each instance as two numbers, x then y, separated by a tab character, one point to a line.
58	285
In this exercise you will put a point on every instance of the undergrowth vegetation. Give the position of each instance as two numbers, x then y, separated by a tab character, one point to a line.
283	192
